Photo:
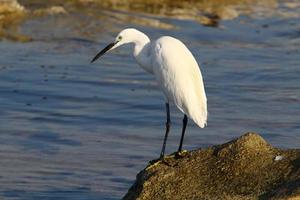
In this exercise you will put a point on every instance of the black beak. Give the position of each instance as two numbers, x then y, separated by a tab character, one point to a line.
108	47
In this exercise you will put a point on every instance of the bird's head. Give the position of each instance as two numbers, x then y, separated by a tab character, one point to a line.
126	36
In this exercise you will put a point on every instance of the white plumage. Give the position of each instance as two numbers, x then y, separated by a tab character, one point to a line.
179	77
176	71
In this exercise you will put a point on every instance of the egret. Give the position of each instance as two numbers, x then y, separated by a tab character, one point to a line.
177	75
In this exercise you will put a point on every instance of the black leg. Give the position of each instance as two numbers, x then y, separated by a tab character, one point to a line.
185	120
168	124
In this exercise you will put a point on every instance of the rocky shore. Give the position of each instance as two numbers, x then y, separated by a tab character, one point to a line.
245	168
14	13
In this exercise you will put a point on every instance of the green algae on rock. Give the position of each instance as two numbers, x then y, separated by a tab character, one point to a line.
245	168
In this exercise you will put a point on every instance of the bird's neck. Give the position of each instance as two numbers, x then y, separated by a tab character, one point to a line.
142	52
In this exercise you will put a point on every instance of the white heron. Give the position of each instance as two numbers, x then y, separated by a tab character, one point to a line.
176	71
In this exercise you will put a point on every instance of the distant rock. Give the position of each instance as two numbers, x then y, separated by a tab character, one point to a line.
54	10
9	6
243	169
13	14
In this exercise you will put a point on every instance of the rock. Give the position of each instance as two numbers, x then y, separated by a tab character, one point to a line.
10	6
12	14
245	168
54	10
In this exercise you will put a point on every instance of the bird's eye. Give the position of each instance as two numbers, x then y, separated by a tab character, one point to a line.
120	38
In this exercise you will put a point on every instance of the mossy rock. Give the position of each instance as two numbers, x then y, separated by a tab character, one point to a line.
245	168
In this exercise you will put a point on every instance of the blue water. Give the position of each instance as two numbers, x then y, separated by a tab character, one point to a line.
72	130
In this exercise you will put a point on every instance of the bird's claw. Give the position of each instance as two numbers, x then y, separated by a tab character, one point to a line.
180	154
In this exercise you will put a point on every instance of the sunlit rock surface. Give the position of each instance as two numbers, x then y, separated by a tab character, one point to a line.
12	15
7	6
245	168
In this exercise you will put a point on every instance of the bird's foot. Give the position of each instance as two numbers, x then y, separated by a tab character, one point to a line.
161	157
160	160
181	154
154	163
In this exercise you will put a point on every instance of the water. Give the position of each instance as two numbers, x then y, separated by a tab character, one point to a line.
72	130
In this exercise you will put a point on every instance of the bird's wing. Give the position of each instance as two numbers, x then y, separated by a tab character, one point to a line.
179	76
